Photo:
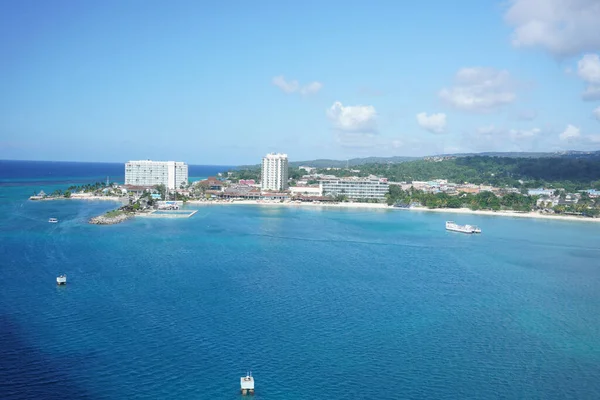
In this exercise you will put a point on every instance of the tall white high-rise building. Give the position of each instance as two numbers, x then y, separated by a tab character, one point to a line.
149	173
274	172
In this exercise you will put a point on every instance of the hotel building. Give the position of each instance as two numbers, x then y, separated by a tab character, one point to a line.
355	188
274	173
149	173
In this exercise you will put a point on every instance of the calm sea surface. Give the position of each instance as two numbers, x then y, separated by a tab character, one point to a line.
318	303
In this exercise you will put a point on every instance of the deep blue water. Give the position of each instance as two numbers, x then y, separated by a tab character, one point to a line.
318	303
39	173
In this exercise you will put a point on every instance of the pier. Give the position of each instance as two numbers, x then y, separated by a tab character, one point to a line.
168	214
247	384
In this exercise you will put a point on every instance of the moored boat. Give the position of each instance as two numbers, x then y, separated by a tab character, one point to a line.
453	226
61	280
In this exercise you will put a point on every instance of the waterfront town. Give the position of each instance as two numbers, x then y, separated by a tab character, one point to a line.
166	185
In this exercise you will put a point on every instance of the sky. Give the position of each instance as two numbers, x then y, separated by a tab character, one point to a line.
225	82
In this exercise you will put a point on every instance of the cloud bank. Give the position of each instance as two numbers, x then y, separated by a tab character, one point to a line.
588	69
561	27
361	119
479	89
570	133
434	123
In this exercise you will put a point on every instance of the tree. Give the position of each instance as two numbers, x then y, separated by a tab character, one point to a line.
162	189
67	194
585	198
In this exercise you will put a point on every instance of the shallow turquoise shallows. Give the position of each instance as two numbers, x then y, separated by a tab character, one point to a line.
317	303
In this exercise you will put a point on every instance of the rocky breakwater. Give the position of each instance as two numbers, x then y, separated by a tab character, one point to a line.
111	218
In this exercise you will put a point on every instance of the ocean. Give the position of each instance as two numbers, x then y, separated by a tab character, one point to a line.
318	303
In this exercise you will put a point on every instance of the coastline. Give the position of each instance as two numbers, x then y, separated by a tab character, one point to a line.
73	197
380	206
506	213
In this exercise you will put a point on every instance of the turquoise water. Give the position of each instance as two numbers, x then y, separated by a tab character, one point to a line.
318	303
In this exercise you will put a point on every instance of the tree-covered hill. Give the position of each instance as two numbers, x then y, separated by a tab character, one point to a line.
571	173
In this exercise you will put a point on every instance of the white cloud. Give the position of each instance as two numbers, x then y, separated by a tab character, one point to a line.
561	27
480	89
434	123
353	118
596	113
286	86
311	88
570	133
293	86
588	68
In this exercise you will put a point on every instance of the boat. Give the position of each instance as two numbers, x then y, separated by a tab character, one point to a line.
61	280
53	220
453	226
247	384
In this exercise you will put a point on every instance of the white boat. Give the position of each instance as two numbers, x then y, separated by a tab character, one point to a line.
53	220
61	280
453	226
247	384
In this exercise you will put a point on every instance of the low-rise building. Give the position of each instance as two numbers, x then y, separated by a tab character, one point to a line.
541	192
355	188
307	169
211	183
306	190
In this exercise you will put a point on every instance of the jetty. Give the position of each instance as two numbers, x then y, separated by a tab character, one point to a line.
247	384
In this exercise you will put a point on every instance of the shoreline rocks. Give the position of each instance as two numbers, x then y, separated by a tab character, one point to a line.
108	220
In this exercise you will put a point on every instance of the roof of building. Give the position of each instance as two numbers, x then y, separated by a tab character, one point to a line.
137	187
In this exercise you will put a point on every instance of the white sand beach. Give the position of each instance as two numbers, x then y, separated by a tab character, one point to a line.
108	198
514	214
293	204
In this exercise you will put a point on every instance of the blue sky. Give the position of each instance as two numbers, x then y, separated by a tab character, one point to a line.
226	82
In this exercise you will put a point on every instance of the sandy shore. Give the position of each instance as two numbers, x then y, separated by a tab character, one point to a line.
513	214
110	198
292	204
75	197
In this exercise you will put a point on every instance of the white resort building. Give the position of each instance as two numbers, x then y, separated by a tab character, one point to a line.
355	188
172	174
274	173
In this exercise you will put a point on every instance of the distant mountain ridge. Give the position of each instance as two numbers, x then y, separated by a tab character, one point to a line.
322	163
353	162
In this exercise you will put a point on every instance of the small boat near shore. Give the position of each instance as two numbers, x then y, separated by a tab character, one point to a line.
453	226
61	280
53	220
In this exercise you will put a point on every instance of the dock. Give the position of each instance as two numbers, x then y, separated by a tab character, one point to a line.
168	214
247	384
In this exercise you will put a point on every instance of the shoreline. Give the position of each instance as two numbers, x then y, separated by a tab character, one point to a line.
507	213
380	206
104	198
